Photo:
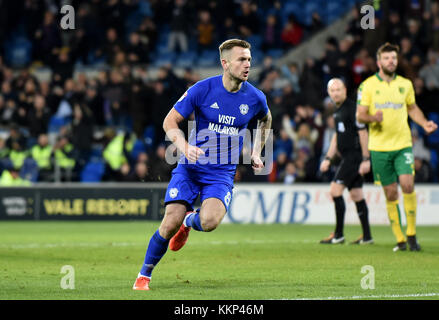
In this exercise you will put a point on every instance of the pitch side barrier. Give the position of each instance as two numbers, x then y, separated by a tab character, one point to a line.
251	203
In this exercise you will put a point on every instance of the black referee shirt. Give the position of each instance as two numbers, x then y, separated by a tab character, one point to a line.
346	126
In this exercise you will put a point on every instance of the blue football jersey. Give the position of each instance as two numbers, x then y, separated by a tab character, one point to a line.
221	119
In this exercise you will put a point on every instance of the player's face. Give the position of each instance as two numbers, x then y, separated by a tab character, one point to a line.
238	63
388	62
337	92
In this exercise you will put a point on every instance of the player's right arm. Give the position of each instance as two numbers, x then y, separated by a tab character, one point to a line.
363	115
332	150
364	99
174	133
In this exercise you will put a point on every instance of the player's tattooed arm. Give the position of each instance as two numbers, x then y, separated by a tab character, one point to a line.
262	134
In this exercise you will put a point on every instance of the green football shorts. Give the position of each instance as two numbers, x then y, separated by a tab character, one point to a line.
387	166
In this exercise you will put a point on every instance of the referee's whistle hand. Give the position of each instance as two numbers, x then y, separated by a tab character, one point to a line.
364	168
324	166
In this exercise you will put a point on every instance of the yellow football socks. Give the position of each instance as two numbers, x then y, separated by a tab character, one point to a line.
410	212
395	220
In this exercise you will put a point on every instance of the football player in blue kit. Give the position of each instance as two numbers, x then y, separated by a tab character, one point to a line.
223	106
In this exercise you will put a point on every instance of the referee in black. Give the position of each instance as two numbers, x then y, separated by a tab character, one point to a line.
350	143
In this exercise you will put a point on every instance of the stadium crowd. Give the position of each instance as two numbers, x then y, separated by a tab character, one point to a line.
108	126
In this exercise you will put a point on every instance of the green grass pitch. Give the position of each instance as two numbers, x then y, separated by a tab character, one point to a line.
234	262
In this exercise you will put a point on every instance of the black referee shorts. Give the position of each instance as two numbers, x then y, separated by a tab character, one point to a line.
347	173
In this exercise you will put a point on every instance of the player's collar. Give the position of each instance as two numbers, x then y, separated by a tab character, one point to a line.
381	79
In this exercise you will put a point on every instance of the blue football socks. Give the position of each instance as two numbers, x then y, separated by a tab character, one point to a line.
156	249
193	220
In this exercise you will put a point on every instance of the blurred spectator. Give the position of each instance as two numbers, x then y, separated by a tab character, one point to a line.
206	31
38	116
272	32
179	27
64	159
63	67
292	33
112	45
395	28
247	20
288	175
41	153
279	165
141	100
284	144
416	35
140	173
115	104
116	154
46	39
316	23
422	171
148	34
434	25
136	51
161	169
267	67
82	135
229	30
11	177
291	73
429	73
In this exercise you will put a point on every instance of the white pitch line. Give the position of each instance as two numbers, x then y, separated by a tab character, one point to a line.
384	296
66	245
127	244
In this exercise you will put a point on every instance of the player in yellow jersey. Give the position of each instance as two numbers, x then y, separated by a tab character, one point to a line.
385	101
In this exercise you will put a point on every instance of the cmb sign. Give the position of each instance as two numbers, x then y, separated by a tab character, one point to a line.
312	204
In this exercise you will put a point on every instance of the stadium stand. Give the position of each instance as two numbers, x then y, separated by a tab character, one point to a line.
120	68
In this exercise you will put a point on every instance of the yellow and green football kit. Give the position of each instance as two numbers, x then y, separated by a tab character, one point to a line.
390	141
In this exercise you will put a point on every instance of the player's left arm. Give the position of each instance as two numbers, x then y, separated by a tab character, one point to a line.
262	134
416	114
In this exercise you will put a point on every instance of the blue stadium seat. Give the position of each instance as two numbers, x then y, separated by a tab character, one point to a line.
93	171
208	58
29	170
434	163
186	59
257	57
256	41
18	51
165	58
55	123
96	153
275	53
139	147
149	136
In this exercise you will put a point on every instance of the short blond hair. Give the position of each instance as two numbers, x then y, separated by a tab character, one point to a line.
231	43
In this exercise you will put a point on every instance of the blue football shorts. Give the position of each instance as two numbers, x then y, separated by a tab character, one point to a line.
184	187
